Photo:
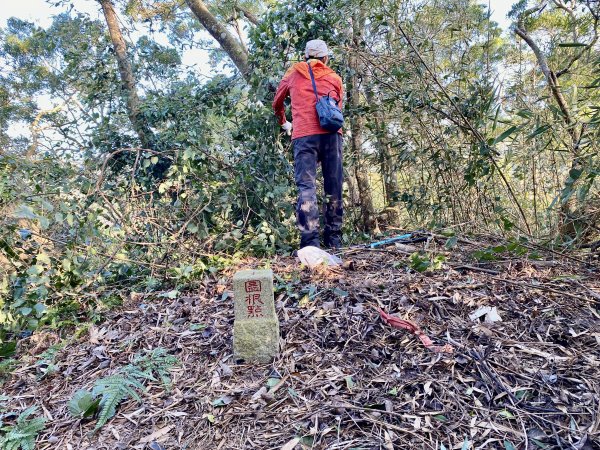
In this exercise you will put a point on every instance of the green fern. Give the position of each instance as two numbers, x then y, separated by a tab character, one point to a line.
6	367
110	391
49	355
3	400
156	363
133	371
114	389
46	362
23	434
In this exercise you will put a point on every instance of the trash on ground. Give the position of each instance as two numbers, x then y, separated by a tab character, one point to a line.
314	256
413	328
390	240
409	238
490	313
405	247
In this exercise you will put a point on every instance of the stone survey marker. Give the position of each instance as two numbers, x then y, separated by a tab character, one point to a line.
256	327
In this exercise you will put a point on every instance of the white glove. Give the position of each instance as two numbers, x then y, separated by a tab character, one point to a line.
287	127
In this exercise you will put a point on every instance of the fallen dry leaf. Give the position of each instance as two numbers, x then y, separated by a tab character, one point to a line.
157	434
290	445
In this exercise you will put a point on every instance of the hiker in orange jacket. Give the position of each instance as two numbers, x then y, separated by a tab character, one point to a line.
313	144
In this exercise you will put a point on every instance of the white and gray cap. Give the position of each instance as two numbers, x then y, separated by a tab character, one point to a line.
316	48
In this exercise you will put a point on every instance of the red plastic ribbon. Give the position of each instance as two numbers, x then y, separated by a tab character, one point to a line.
413	328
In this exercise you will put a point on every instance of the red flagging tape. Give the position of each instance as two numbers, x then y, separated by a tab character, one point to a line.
416	330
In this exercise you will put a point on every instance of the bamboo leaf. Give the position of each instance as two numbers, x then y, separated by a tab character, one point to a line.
506	134
539	130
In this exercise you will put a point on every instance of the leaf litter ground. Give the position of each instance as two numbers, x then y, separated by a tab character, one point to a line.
344	379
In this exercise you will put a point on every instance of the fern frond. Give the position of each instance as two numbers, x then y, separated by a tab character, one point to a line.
127	382
137	372
157	362
24	433
114	389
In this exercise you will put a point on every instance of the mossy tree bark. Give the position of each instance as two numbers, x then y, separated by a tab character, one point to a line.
140	126
234	48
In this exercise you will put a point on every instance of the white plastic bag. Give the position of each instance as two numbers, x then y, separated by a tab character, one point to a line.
490	313
313	256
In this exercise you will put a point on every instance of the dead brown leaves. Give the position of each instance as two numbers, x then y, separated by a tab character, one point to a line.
343	378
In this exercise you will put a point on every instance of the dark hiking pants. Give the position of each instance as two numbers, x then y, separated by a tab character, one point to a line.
308	151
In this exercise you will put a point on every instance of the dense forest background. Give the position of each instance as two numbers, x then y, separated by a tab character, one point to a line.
136	171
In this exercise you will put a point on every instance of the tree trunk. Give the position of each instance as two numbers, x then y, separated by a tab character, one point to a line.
353	194
568	215
364	190
248	15
550	76
356	128
234	49
384	148
140	126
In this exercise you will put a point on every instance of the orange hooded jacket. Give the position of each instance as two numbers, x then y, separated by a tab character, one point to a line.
297	84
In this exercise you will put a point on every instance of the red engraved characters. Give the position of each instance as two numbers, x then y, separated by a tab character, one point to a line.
254	303
253	286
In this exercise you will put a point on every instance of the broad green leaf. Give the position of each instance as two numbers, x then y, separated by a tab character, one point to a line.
39	309
83	404
24	212
451	243
308	441
44	222
340	292
222	401
349	382
43	258
506	414
272	382
8	349
170	294
574	174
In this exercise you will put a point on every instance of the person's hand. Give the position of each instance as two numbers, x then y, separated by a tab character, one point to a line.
287	127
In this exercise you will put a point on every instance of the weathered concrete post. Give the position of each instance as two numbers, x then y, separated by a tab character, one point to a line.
256	327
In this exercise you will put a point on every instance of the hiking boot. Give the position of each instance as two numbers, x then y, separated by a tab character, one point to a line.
310	239
333	241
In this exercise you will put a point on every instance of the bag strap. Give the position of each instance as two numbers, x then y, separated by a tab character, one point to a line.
312	78
330	91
